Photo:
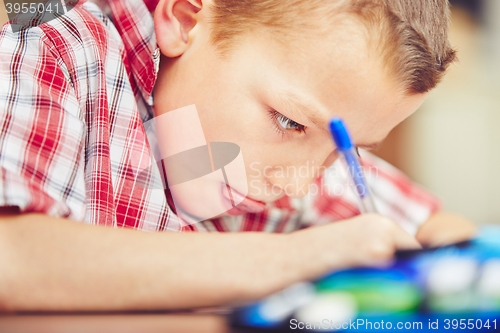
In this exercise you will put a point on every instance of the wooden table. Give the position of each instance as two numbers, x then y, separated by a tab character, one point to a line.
116	323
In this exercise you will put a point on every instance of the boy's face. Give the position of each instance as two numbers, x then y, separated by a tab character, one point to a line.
275	101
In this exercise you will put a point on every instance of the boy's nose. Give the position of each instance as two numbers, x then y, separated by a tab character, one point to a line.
330	159
295	180
292	185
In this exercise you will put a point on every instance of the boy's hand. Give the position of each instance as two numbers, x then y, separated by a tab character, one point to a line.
446	228
365	240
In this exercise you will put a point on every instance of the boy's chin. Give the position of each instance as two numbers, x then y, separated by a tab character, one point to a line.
250	206
247	206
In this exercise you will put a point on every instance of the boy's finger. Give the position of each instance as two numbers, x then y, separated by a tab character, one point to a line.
405	241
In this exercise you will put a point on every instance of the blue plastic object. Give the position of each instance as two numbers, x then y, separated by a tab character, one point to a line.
340	134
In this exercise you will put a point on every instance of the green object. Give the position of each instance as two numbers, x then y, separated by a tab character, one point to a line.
375	293
456	302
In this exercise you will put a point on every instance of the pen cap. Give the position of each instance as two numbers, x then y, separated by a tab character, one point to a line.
340	135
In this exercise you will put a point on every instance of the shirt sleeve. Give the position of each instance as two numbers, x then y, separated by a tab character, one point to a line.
41	135
395	195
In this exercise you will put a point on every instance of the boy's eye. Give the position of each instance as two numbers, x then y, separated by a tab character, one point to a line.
285	123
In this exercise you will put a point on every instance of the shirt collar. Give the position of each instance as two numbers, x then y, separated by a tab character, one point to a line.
135	25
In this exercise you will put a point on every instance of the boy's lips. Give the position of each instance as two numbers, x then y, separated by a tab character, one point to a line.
246	204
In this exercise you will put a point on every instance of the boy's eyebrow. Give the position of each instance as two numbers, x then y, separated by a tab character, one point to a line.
294	100
307	109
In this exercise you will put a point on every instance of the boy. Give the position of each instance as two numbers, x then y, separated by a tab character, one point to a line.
265	75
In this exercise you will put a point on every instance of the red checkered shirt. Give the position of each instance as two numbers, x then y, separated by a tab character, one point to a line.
74	94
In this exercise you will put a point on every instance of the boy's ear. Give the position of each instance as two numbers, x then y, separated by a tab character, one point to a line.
174	19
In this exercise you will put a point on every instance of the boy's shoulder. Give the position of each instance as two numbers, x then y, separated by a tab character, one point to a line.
67	44
73	99
88	36
88	25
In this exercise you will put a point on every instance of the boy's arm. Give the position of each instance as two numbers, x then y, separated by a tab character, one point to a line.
445	228
52	264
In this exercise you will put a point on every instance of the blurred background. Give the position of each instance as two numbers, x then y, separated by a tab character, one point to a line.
451	145
3	13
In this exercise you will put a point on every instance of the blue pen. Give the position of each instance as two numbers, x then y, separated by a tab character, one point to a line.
350	159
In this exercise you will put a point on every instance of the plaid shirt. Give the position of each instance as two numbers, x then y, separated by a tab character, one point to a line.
74	94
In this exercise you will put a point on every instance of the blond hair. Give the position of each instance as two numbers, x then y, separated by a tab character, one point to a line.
413	34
